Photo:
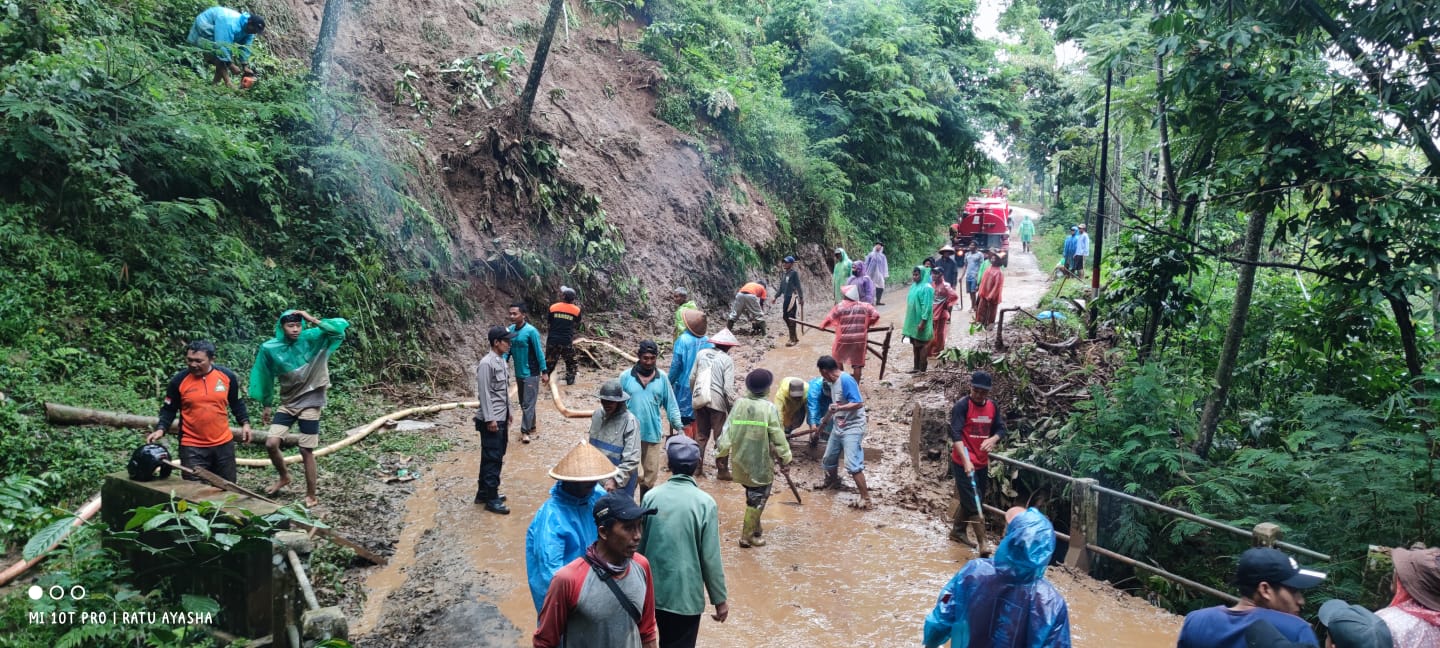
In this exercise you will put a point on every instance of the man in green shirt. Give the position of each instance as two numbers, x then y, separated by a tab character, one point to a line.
682	302
686	532
530	371
918	316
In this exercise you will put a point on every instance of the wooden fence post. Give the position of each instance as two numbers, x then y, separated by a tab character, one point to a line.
1266	534
1084	523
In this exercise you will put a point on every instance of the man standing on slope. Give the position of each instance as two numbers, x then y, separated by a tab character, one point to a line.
227	34
919	313
299	358
529	368
1270	585
559	340
563	526
683	303
792	297
878	267
204	395
606	597
1004	601
686	531
976	425
650	396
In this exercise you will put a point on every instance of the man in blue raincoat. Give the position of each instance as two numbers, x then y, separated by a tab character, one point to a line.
1005	601
1067	253
564	525
226	34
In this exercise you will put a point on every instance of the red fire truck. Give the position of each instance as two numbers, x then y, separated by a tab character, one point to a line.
984	220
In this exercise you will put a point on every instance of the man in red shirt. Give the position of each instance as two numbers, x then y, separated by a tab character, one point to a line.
976	425
204	395
749	304
605	598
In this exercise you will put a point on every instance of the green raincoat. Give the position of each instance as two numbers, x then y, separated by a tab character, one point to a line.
302	366
918	324
1027	229
752	432
840	275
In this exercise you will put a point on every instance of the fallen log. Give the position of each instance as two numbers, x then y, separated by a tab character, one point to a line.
607	345
1058	347
57	414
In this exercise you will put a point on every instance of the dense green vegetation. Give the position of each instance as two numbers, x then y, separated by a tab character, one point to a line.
1273	241
142	207
862	118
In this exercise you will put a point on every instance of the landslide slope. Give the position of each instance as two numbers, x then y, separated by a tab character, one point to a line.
595	106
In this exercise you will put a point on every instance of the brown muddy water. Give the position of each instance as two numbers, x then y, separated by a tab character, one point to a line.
830	575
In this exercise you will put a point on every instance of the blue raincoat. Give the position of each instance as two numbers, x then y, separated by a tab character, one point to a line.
219	28
682	362
1004	602
1070	244
563	527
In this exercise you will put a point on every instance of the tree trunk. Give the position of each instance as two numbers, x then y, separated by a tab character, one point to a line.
1400	305
325	43
57	414
537	67
1234	333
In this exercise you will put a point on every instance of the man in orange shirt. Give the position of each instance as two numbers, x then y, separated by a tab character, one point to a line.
749	303
204	395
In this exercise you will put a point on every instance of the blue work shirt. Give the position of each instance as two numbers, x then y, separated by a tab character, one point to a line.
647	401
1222	627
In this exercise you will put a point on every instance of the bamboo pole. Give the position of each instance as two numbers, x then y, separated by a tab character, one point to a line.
57	414
87	511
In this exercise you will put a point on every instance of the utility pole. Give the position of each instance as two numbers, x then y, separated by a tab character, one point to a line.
1100	208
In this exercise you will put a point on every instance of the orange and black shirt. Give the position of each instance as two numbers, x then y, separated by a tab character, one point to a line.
204	404
564	319
755	289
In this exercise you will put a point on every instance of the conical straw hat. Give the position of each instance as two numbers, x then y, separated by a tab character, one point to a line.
695	321
582	464
724	338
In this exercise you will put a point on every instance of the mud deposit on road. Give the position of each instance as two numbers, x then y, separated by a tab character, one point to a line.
831	574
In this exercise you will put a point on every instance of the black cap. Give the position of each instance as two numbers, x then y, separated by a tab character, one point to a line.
1266	565
789	259
617	505
498	333
649	346
255	24
981	380
759	380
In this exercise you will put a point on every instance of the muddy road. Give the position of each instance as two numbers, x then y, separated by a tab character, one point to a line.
830	574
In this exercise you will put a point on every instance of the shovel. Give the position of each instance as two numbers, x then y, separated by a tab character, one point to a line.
980	510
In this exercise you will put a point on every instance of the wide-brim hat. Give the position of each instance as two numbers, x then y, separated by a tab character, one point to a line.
724	338
695	321
947	248
584	463
1419	573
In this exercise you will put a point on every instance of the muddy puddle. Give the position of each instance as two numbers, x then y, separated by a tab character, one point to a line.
831	575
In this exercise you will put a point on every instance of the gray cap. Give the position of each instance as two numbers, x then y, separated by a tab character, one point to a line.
682	454
1352	626
611	391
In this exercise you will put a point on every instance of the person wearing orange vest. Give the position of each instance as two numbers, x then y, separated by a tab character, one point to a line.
205	395
977	424
749	303
560	339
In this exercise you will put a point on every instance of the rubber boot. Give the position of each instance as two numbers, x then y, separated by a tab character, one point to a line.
982	544
722	468
859	478
959	525
757	539
832	480
747	531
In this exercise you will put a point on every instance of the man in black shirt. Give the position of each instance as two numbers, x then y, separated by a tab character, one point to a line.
559	342
792	296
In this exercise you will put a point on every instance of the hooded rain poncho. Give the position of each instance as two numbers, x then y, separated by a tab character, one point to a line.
919	308
563	527
302	366
1004	602
862	282
1027	229
840	274
752	437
